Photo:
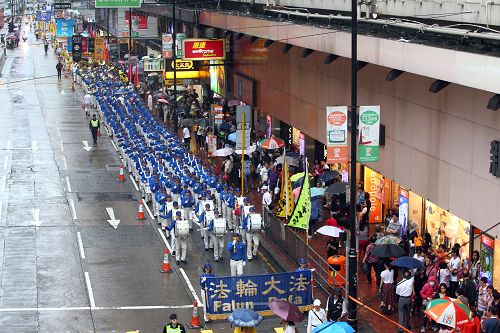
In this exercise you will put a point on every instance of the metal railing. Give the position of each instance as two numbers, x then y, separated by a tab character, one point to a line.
295	246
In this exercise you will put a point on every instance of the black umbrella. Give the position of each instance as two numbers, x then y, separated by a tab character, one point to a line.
337	188
328	175
388	251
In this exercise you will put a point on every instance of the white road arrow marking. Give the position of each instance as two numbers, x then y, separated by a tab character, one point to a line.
112	220
36	217
86	145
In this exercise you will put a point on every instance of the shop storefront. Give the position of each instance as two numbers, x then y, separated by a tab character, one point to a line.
190	73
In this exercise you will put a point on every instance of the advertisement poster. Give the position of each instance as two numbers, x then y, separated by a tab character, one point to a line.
166	45
486	257
446	228
212	144
374	184
179	38
369	128
403	209
64	28
117	3
217	113
218	77
139	21
204	49
336	134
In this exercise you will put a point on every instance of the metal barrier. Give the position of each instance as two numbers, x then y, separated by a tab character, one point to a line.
294	244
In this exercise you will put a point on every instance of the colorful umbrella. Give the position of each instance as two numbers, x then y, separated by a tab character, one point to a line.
297	176
286	311
222	152
334	327
448	311
317	191
408	262
272	143
389	239
329	230
245	318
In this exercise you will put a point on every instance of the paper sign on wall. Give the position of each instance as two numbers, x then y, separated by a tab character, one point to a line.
336	134
368	138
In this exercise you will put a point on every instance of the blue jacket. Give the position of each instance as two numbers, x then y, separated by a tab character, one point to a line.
203	279
240	253
187	201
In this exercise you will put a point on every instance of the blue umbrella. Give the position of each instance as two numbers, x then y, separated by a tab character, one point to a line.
408	262
317	191
232	137
245	318
334	327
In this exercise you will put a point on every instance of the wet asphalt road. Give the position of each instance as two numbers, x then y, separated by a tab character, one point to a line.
63	268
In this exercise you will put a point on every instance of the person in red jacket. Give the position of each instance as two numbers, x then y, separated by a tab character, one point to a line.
473	327
427	294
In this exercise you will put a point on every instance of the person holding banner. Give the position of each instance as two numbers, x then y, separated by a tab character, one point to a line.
207	272
237	254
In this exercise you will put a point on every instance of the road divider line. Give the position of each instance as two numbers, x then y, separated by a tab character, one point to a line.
190	286
133	182
0	209
73	209
114	145
80	244
89	290
165	241
6	162
68	185
64	164
62	148
149	211
2	183
97	308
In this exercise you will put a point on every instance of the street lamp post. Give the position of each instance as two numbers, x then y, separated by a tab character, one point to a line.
174	56
353	256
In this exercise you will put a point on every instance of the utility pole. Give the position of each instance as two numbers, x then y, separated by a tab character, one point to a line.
130	35
174	57
107	35
353	256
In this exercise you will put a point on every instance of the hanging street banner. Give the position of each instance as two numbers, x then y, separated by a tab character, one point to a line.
286	203
336	134
77	48
117	3
374	184
403	210
166	45
369	133
302	212
226	294
99	48
204	49
64	28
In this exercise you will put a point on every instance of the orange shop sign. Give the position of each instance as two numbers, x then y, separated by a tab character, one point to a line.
204	49
374	184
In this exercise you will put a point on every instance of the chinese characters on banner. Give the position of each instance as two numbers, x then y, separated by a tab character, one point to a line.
374	184
403	209
99	49
369	128
226	294
64	28
336	134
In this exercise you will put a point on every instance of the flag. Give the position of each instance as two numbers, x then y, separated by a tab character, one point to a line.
286	203
302	212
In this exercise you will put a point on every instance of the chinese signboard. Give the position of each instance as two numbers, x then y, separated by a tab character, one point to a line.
166	45
64	28
369	127
117	3
204	49
99	49
374	184
226	294
77	48
336	134
62	5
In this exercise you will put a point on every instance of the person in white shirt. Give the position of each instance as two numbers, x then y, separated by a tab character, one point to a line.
453	267
316	316
288	326
186	134
150	101
267	199
387	289
87	103
404	290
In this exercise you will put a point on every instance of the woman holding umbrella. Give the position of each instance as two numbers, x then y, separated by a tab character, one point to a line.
287	311
245	320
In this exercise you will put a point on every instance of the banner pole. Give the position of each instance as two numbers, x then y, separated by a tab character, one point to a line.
242	172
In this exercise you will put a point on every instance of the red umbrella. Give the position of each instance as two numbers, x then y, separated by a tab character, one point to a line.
272	143
286	311
161	100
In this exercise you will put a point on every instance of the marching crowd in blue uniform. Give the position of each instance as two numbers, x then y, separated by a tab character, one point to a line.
179	186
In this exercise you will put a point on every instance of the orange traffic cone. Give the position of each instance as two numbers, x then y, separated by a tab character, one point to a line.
165	268
122	175
140	213
195	319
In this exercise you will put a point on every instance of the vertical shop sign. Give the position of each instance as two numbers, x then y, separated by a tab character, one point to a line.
336	134
166	45
486	257
403	209
179	37
374	184
212	144
369	128
77	48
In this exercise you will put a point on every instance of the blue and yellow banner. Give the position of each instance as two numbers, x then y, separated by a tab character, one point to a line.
64	28
226	294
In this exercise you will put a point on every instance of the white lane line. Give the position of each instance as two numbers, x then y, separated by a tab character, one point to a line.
6	162
64	164
114	145
97	308
68	185
0	209
190	286
62	148
149	211
9	144
2	183
89	290
165	240
133	182
80	245
73	209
